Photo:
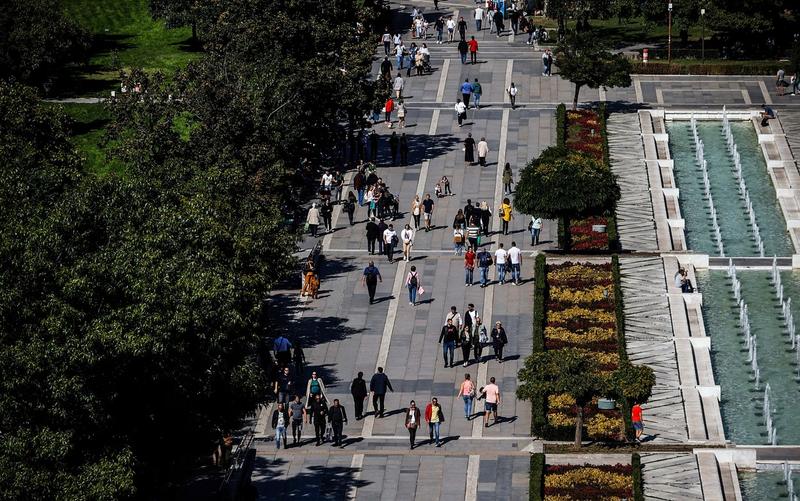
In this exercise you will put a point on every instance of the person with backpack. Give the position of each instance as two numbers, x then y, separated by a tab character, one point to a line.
435	417
315	386
467	392
414	285
484	262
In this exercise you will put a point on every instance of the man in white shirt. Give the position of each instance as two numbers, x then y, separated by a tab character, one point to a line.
455	317
451	27
500	257
478	17
398	52
327	181
407	237
515	256
461	112
483	150
389	241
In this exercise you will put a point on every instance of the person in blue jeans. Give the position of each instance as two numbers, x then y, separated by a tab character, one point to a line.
500	258
413	283
484	261
467	392
435	418
280	419
466	91
447	339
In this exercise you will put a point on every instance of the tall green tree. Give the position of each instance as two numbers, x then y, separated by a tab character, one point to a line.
566	185
583	60
37	40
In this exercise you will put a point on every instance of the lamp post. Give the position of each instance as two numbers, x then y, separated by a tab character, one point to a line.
669	34
703	35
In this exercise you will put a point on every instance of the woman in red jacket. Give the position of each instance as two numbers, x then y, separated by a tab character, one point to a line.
388	110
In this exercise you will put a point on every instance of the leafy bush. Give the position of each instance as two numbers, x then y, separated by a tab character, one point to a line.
536	481
743	68
539	403
561	125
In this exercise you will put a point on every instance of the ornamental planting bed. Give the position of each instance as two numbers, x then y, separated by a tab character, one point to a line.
567	482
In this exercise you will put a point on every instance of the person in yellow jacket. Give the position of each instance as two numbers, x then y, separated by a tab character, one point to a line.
505	214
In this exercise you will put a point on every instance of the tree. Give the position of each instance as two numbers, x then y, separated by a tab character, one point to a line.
564	184
582	10
37	39
179	13
583	60
633	382
569	371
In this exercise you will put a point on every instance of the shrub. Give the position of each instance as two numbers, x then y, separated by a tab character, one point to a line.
710	68
619	307
638	481
538	403
561	125
536	482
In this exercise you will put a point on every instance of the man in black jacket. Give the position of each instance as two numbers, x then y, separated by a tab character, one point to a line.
358	388
378	386
449	335
372	235
319	413
280	420
338	417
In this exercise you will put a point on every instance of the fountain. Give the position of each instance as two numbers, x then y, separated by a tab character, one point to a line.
772	434
699	154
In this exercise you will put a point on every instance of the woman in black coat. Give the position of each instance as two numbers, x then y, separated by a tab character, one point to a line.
469	150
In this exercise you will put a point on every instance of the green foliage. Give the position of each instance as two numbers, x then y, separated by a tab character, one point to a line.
87	126
584	61
561	125
718	67
539	402
633	382
619	308
638	481
37	40
536	479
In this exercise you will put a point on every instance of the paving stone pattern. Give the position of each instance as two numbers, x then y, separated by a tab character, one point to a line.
671	476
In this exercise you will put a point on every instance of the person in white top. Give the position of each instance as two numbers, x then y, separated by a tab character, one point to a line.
512	95
389	241
327	180
451	27
492	392
387	42
455	317
398	52
500	256
407	237
398	86
515	256
535	227
483	150
478	17
416	209
461	112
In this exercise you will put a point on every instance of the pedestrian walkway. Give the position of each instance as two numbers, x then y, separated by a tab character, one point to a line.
671	476
635	222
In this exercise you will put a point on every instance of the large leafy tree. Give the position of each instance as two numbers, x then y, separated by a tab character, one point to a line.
583	60
37	39
564	184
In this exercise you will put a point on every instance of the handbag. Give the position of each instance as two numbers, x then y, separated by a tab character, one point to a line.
420	291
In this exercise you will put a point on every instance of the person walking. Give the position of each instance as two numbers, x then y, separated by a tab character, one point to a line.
466	91
378	385
505	214
478	18
373	146
492	392
282	346
370	280
467	392
446	185
280	419
435	417
403	149
449	335
465	340
407	237
312	220
337	416
535	228
462	28
458	240
318	411
350	207
298	414
399	49
414	284
473	50
499	340
500	258
416	211
463	50
427	211
412	422
387	109
477	91
473	232
512	95
484	262
461	113
483	150
358	389
638	423
486	214
283	386
439	27
469	150
451	28
315	386
469	266
401	115
479	338
508	179
393	142
326	211
389	241
387	43
372	235
515	260
382	227
360	184
498	22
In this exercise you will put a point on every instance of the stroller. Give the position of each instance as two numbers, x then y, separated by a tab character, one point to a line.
426	64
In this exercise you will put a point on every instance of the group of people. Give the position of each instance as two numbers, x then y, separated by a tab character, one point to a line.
469	334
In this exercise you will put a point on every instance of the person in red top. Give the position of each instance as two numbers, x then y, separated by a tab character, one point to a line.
636	417
435	417
469	266
473	50
388	109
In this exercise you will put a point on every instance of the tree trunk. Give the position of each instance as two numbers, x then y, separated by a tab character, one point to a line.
575	97
566	244
579	426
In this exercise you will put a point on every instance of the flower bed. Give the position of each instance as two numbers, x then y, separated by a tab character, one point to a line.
595	482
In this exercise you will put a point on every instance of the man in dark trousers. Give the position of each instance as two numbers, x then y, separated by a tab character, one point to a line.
318	411
281	347
370	280
386	68
498	22
338	417
449	335
378	386
372	235
358	388
499	340
373	146
393	147
403	149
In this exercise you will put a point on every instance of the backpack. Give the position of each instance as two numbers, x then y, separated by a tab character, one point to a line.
413	281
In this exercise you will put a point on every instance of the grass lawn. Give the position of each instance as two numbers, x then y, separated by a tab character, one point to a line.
88	129
125	36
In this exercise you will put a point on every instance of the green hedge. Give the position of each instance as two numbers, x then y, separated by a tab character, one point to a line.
539	403
536	481
622	350
638	481
602	112
561	125
613	234
743	68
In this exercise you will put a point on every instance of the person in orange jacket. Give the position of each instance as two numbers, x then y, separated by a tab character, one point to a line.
435	417
388	110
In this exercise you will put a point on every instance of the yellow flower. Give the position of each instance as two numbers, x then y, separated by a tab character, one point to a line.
578	312
582	272
580	296
590	335
560	401
559	419
588	476
601	426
